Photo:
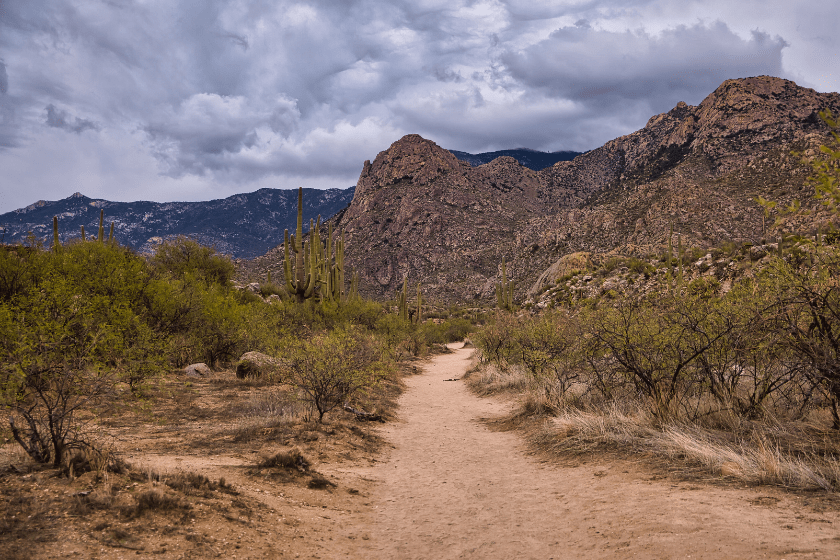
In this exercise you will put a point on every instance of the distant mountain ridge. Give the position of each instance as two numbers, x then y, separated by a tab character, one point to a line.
243	225
532	159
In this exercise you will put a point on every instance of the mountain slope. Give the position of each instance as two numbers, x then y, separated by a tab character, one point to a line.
418	211
242	225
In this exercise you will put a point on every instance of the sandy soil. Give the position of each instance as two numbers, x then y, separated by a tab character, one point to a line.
452	488
445	486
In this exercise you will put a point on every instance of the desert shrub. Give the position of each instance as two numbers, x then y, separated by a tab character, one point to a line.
20	268
272	288
292	459
358	311
639	266
154	499
65	337
611	264
330	368
808	299
547	349
497	340
655	345
451	330
392	329
177	257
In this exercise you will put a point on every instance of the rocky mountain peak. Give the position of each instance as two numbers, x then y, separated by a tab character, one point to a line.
419	212
411	159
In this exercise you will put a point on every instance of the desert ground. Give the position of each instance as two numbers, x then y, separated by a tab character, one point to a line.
437	480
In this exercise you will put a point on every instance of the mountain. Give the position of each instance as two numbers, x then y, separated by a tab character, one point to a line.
532	159
242	225
419	211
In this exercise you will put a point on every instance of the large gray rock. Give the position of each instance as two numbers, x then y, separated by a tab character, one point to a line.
198	370
256	364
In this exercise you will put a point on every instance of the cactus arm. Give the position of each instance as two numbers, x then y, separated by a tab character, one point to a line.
111	233
56	244
340	264
287	267
101	235
299	231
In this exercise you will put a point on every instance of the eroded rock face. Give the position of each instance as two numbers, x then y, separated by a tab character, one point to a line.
418	211
421	212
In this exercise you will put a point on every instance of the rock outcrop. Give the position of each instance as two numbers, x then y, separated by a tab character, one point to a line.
420	212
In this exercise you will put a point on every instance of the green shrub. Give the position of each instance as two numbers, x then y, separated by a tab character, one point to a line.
177	257
330	368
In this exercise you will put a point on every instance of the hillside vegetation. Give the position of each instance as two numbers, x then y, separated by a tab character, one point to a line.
87	325
729	359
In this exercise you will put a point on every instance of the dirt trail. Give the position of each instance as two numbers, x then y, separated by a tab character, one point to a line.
451	488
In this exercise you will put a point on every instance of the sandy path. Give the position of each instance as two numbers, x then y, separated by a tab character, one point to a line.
451	488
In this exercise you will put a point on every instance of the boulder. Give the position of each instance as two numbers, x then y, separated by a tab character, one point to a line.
198	370
568	263
757	252
256	364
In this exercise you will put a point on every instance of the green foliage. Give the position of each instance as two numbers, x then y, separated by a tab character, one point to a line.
451	330
769	346
81	325
331	368
497	340
826	176
182	256
71	332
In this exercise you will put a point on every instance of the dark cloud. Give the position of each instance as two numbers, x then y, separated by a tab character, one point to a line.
4	78
57	118
227	95
604	67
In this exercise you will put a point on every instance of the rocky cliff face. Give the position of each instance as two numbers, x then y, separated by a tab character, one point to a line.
696	168
423	213
420	212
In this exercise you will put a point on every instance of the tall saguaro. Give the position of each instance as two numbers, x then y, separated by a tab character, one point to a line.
302	275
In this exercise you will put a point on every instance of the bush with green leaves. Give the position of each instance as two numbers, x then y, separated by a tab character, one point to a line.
332	367
70	334
181	256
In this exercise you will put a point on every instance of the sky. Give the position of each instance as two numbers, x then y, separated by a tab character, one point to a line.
200	99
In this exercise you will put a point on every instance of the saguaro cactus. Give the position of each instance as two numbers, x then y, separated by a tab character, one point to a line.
101	236
402	300
332	268
302	274
670	261
681	253
354	287
504	291
416	315
56	244
418	318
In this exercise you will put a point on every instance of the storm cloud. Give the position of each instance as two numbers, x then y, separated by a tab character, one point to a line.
197	99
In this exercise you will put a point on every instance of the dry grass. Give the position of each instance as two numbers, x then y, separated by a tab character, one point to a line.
154	499
292	459
765	451
489	379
